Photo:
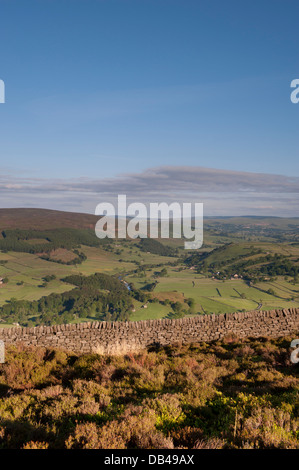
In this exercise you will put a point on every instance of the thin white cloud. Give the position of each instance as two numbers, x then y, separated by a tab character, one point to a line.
162	180
224	191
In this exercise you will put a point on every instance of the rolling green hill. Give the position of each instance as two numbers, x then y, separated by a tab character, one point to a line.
240	267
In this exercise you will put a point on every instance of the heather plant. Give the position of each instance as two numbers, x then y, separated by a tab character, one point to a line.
236	393
36	445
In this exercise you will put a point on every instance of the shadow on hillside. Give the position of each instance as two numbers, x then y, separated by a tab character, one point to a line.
16	433
4	390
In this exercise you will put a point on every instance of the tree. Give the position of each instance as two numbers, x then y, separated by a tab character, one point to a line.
271	292
191	303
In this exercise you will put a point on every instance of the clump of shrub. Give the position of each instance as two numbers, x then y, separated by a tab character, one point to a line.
236	393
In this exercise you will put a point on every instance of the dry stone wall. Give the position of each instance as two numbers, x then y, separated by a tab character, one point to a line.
123	337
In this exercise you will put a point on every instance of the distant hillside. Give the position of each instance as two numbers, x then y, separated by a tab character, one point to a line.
45	219
252	221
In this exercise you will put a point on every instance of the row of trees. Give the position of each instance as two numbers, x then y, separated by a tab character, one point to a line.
153	246
99	296
37	241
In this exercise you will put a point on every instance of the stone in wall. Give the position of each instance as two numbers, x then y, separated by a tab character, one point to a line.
122	337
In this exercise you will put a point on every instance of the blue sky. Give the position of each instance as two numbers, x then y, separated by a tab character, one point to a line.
110	89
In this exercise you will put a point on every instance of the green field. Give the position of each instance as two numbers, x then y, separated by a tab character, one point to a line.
212	295
30	270
236	242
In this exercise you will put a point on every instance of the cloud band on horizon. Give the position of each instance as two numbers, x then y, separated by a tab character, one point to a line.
227	190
